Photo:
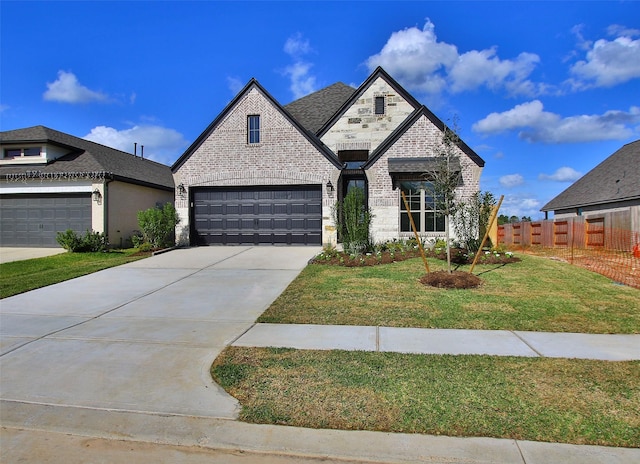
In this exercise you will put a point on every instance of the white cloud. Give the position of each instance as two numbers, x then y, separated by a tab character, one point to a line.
4	107
608	62
234	84
563	174
160	143
418	60
302	82
542	126
511	180
521	204
67	89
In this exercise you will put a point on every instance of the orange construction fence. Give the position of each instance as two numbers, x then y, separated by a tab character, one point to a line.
611	252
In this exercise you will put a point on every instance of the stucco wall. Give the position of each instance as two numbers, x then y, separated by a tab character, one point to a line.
123	202
284	156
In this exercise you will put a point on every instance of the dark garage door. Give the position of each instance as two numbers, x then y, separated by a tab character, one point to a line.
28	220
265	215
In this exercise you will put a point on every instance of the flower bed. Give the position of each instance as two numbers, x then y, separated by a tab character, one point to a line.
395	251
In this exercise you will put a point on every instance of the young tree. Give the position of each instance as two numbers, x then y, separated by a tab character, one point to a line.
444	177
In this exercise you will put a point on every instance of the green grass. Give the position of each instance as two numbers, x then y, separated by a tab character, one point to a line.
21	276
554	400
536	294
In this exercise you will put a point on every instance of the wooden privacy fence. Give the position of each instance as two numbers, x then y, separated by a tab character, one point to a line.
588	243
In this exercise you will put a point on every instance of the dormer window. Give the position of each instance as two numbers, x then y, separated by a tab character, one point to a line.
253	129
379	105
13	153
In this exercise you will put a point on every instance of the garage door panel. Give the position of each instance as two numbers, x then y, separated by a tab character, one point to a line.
258	215
34	219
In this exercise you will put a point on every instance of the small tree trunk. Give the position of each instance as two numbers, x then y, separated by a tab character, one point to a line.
446	233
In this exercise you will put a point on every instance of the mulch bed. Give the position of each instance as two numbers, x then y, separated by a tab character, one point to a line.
455	279
438	279
386	257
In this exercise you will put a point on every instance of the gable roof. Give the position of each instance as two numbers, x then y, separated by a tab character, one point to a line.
315	109
253	83
87	157
617	178
407	123
378	73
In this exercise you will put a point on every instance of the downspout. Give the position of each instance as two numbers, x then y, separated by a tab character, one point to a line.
105	206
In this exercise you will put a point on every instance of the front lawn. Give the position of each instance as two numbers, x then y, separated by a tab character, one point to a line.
554	400
537	294
22	276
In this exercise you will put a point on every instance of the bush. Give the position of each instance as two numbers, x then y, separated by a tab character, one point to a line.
91	242
354	222
158	225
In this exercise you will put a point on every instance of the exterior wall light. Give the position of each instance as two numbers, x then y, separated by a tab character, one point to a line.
181	189
329	187
96	195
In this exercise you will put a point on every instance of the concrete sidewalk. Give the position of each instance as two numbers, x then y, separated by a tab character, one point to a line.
114	367
443	341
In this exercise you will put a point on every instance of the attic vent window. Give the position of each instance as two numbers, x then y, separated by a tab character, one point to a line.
379	109
253	129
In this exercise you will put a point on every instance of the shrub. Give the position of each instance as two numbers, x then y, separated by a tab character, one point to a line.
354	222
158	225
91	242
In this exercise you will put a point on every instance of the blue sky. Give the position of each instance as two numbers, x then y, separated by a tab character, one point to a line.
543	91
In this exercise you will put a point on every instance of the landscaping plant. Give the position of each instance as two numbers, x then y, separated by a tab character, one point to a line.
444	179
472	219
91	242
158	225
354	222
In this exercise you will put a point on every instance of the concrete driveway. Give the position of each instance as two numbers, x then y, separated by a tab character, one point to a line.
140	337
9	254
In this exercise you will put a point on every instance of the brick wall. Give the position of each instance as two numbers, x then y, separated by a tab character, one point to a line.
283	157
420	140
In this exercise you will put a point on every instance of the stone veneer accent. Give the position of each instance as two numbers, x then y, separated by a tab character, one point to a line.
286	157
360	127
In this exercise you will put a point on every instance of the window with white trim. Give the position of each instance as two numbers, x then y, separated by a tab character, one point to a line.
253	128
421	200
12	153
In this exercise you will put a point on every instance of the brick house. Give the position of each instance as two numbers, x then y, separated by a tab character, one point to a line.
263	173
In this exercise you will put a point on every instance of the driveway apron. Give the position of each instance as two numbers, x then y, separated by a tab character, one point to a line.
141	337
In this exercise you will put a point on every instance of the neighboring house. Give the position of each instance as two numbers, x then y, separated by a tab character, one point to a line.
51	182
263	173
607	196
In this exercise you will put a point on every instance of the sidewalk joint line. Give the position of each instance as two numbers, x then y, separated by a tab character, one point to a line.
241	335
378	339
527	343
520	451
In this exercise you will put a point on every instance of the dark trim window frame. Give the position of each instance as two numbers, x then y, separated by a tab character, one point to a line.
253	129
420	197
379	105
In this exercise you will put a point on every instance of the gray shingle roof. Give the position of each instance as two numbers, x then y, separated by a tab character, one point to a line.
617	178
87	156
313	110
